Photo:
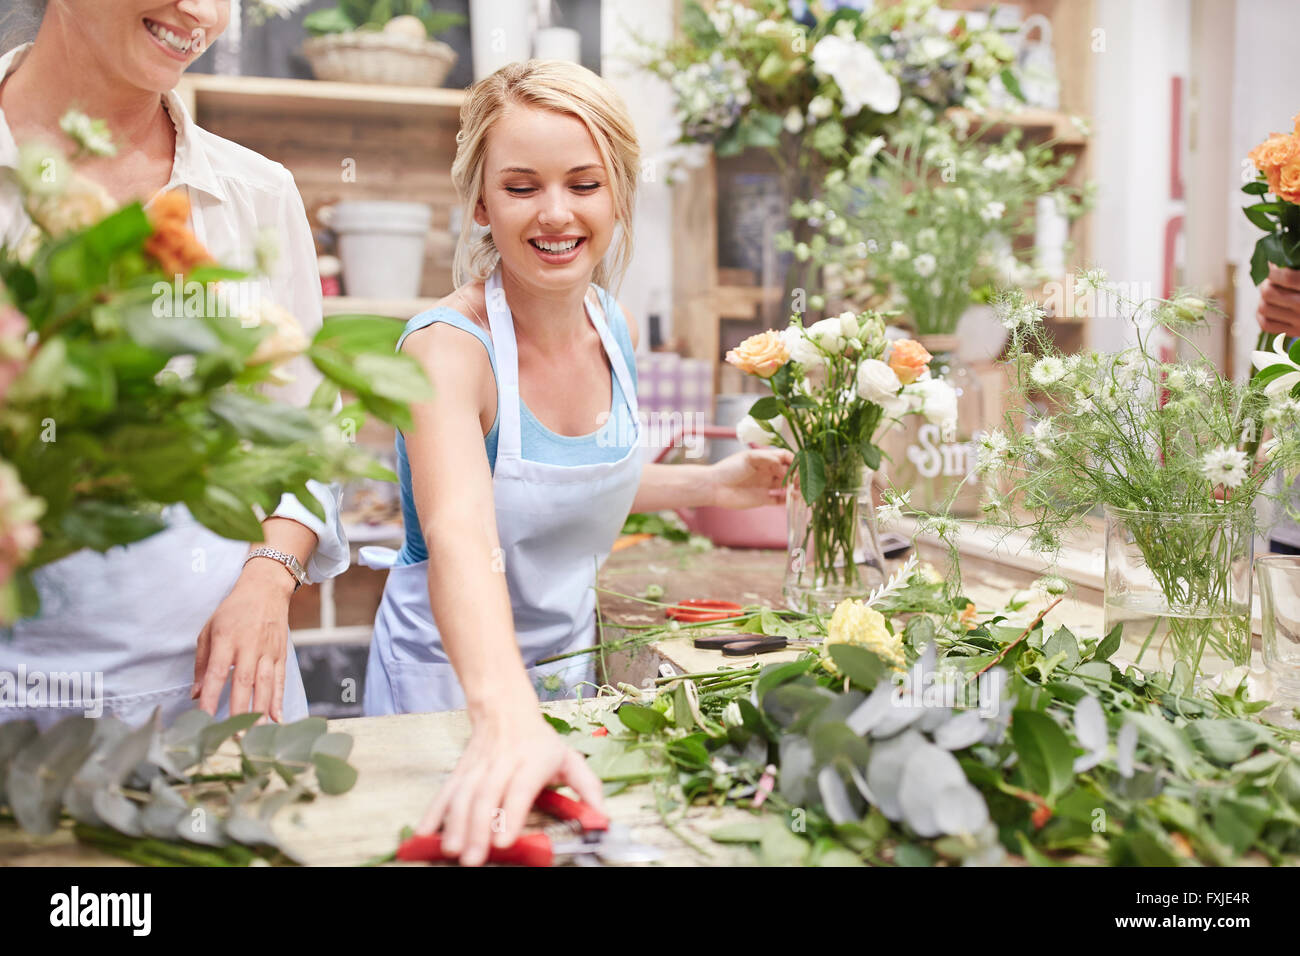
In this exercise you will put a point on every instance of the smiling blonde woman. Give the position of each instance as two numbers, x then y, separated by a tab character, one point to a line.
519	474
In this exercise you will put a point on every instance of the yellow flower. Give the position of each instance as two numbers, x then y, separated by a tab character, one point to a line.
853	622
760	354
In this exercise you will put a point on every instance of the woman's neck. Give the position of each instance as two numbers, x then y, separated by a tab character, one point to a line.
550	320
58	74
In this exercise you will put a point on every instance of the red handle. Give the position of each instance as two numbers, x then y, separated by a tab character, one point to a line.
564	808
531	849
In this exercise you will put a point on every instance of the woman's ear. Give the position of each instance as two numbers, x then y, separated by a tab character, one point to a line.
480	213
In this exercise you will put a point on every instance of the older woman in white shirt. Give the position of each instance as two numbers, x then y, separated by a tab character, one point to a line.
184	615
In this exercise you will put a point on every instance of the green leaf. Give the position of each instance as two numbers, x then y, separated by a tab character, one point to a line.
1167	740
225	513
263	421
641	720
334	775
1109	644
103	524
561	726
1257	187
1012	83
861	666
765	408
812	474
779	847
1046	755
682	716
774	675
913	854
1258	215
870	455
214	735
1227	741
1062	642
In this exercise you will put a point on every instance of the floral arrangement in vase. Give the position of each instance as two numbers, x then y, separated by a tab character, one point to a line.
1163	448
836	386
934	217
130	375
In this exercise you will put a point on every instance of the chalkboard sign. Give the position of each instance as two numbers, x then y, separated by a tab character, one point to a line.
272	49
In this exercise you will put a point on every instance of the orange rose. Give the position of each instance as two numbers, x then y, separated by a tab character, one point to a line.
967	617
1278	150
760	354
1288	181
908	360
172	243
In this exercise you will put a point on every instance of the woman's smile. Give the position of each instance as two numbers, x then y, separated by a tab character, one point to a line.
557	250
173	41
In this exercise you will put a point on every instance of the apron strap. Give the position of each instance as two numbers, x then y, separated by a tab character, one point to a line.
502	324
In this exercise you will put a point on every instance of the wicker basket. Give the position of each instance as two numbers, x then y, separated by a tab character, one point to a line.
364	57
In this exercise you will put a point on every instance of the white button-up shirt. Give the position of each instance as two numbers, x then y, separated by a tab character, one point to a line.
236	196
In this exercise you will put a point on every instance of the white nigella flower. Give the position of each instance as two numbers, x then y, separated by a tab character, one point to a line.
1084	405
1052	584
1043	438
992	210
993	449
1226	466
898	251
927	237
861	78
1010	162
1047	371
892	509
1176	378
1013	315
1090	280
925	264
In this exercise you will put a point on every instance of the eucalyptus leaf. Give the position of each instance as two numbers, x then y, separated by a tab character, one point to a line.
214	735
835	796
1227	741
860	665
927	771
39	773
14	736
737	833
333	774
961	731
885	770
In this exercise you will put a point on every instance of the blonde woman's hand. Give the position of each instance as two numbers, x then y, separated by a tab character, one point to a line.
750	478
512	754
1279	301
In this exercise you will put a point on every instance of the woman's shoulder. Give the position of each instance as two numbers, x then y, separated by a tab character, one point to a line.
237	166
463	309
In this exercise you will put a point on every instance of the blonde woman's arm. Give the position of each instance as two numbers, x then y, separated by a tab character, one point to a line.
512	752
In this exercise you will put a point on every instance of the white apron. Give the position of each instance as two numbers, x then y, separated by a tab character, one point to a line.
556	525
119	629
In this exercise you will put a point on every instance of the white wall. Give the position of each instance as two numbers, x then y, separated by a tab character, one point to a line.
1146	43
650	275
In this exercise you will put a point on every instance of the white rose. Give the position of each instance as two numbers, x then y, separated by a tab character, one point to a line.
750	432
801	350
877	382
285	343
827	334
936	400
848	325
862	80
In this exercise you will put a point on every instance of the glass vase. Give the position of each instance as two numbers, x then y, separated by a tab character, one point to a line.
833	550
1180	585
935	463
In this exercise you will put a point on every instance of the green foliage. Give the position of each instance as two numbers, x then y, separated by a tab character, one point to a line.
352	15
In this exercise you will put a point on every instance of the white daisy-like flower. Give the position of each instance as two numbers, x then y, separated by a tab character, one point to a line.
1090	280
992	211
1043	438
927	237
925	264
1015	315
1176	378
1047	371
898	251
1084	405
993	449
892	509
1226	466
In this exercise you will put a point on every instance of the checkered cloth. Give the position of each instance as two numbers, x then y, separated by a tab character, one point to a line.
672	391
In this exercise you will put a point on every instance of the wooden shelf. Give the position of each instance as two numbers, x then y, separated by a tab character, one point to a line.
259	94
1058	126
393	308
742	302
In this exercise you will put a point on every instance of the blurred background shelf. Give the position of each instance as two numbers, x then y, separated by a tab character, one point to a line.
393	308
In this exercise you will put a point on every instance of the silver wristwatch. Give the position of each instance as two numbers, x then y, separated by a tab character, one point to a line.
288	560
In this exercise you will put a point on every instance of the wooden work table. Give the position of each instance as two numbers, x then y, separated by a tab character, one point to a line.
402	760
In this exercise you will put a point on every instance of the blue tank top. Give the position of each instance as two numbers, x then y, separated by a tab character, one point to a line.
538	443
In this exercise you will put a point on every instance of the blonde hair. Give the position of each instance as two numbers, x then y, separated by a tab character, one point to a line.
562	87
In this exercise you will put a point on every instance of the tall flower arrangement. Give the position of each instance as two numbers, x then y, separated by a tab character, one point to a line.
836	386
130	374
933	217
815	83
1162	446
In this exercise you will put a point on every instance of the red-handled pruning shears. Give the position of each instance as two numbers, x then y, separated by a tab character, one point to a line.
597	836
695	610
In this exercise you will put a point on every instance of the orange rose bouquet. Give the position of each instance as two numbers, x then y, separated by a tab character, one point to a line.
131	374
836	385
1277	161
